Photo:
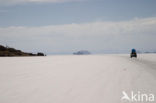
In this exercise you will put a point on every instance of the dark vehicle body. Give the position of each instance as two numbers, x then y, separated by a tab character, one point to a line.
133	53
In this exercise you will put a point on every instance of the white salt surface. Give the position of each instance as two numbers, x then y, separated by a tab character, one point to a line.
75	79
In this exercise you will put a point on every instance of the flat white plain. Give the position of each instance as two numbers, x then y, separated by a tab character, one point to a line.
75	79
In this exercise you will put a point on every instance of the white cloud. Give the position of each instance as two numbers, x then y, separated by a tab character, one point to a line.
96	36
12	2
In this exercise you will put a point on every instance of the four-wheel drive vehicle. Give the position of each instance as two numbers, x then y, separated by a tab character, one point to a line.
133	53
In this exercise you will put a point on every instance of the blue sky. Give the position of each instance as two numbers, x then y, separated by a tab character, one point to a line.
63	26
39	14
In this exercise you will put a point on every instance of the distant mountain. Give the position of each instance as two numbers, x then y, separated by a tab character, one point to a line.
82	52
7	51
150	52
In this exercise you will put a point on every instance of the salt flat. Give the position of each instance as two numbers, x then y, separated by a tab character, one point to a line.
75	79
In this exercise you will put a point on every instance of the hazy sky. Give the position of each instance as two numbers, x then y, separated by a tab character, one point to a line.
65	26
